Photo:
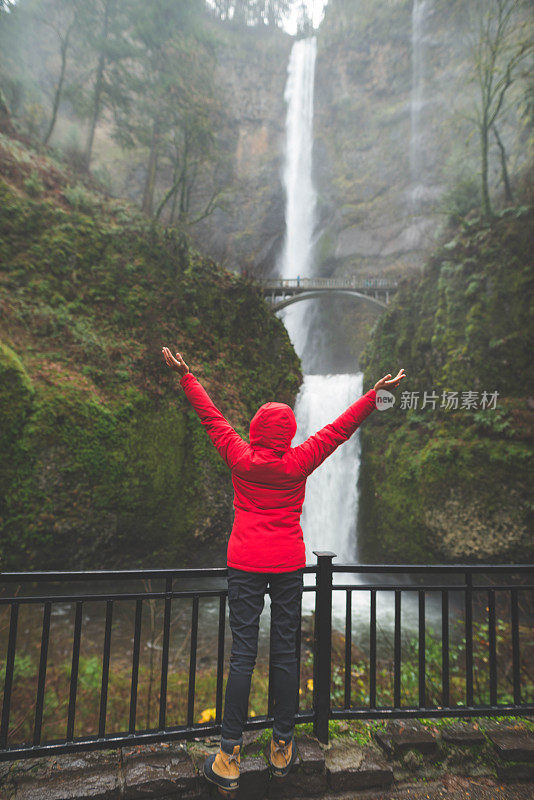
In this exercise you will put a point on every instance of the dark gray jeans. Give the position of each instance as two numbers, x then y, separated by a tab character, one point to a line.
246	599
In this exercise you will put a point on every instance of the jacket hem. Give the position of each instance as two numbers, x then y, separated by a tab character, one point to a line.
277	568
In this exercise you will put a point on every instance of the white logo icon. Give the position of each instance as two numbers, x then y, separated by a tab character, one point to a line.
384	400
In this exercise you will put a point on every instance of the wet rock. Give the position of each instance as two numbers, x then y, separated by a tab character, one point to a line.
90	785
27	768
399	737
513	745
458	733
311	756
254	778
413	760
364	241
350	767
515	772
92	775
159	773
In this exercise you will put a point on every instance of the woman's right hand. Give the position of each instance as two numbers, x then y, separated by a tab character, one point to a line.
177	364
384	383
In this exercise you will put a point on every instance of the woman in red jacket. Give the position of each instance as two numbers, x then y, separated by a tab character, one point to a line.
266	546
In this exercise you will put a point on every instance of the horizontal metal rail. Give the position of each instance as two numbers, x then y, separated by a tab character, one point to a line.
329	283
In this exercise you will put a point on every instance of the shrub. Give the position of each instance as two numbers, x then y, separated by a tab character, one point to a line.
80	198
33	184
462	197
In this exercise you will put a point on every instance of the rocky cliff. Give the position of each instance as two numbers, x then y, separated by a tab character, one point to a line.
247	231
393	92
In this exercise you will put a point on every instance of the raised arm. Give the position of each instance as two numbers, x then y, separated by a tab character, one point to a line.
311	453
229	444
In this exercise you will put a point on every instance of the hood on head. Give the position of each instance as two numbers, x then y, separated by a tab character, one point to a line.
273	426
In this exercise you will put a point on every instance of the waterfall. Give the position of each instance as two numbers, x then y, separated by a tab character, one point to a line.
296	258
417	99
330	509
301	197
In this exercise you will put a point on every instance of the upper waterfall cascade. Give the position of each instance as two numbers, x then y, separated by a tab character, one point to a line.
419	12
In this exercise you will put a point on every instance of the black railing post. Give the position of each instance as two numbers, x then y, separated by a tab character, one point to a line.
322	650
469	639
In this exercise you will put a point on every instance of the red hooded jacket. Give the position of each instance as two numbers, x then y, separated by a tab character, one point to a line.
269	476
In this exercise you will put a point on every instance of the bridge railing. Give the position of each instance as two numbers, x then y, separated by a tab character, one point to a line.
351	282
487	671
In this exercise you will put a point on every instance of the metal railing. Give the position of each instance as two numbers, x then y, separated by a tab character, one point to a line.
350	282
323	709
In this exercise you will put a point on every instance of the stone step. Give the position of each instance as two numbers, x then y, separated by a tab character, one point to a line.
512	745
254	777
356	768
398	737
149	772
88	776
516	772
463	734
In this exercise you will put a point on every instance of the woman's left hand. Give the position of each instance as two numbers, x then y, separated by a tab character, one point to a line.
177	364
384	383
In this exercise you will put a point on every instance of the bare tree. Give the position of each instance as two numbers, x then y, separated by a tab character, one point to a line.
107	10
190	149
500	44
61	18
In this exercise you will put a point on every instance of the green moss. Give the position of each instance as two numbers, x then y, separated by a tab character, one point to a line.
16	399
466	324
16	392
107	465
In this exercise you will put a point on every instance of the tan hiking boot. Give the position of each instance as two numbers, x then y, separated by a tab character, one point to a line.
223	768
282	755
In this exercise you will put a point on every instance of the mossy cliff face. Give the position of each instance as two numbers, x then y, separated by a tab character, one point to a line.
103	461
446	484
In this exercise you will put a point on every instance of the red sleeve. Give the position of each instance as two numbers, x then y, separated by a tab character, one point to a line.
228	443
311	453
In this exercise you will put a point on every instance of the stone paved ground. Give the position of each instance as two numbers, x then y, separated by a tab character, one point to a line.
403	760
453	787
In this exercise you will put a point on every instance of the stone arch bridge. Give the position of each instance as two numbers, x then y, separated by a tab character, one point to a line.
283	292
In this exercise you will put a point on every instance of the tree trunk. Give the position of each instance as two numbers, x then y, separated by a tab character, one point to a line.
172	192
486	203
182	207
172	218
150	181
5	117
96	111
505	177
99	83
59	88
